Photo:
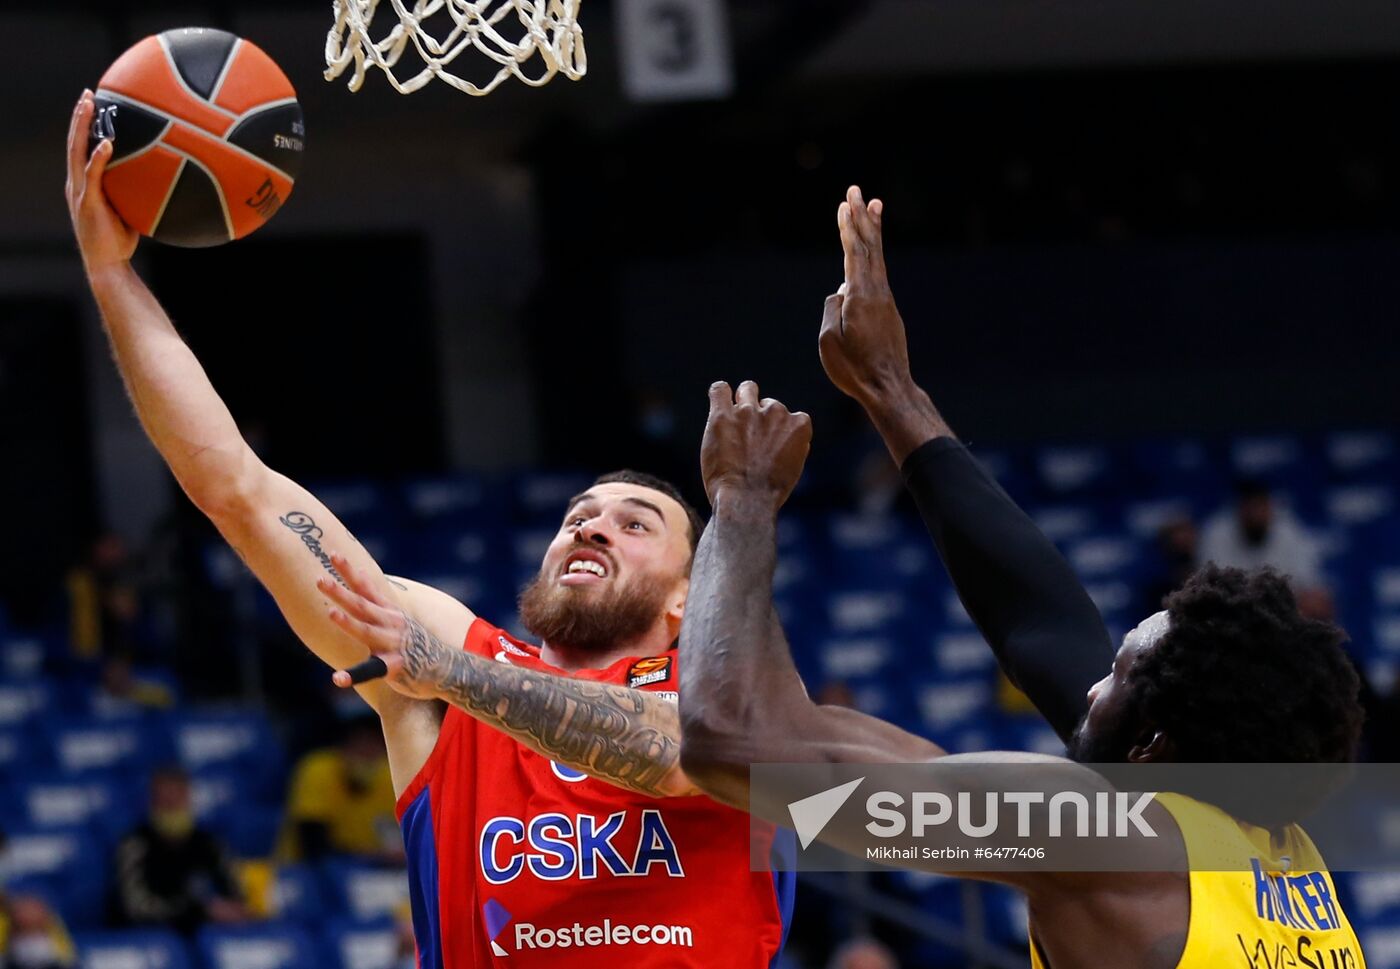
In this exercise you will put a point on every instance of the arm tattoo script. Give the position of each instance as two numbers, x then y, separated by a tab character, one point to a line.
310	533
626	737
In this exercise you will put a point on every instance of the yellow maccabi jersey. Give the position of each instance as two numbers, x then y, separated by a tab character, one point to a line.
1258	901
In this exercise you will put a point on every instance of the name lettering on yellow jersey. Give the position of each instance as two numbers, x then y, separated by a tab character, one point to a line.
1302	901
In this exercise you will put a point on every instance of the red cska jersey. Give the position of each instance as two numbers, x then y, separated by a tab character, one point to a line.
517	861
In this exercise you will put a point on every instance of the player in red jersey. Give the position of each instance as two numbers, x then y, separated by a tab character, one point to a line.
517	858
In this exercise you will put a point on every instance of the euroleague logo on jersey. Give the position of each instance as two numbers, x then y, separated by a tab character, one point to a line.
653	669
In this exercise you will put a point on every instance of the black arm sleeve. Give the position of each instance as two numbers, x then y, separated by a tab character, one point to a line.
1044	629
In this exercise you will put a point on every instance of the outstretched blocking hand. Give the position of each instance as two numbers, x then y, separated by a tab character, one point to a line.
406	655
862	343
751	444
103	238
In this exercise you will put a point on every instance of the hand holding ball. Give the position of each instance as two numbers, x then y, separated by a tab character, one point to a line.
207	136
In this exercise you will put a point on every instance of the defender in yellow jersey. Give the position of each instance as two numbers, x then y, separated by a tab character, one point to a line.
1228	673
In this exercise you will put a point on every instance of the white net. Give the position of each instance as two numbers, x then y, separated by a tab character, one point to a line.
512	33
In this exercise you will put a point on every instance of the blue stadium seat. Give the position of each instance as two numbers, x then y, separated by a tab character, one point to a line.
448	501
951	706
1064	470
875	610
861	658
83	744
962	653
251	830
20	756
1275	458
20	703
362	505
297	895
541	496
1359	505
232	740
271	945
880	550
131	949
1381	944
364	891
363	944
22	658
1363	455
1065	523
1102	555
1375	897
68	863
1143	519
110	806
1175	467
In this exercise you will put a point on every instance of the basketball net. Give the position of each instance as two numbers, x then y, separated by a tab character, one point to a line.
547	27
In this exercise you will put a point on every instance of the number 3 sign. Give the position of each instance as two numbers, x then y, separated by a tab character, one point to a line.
674	50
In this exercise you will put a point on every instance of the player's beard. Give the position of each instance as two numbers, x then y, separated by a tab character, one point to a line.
587	620
1102	746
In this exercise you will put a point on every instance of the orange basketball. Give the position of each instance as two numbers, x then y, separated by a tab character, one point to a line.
207	136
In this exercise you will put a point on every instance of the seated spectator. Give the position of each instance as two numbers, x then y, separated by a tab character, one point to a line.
32	936
863	953
121	690
1177	556
342	801
1256	533
170	871
103	601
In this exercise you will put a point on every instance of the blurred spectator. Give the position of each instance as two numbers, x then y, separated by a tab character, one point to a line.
863	953
1177	555
1256	533
342	800
103	605
121	690
170	871
32	936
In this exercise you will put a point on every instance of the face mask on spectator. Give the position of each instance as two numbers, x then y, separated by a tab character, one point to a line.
173	825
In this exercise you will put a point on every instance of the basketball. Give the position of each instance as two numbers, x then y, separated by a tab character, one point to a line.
207	136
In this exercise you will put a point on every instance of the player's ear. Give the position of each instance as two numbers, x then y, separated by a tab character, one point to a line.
1154	748
675	604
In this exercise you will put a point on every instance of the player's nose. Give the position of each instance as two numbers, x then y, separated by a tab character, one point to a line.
592	532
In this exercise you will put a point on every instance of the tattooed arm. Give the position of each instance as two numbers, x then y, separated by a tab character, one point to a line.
626	737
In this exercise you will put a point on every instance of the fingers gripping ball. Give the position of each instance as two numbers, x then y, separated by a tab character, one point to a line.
207	136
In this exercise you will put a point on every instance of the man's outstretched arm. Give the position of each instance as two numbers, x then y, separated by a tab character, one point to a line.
1024	597
278	528
741	701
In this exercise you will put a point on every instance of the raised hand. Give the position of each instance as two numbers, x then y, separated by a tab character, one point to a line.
752	445
409	657
862	342
103	238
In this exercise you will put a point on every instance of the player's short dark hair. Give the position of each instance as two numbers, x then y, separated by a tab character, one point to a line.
1241	677
644	480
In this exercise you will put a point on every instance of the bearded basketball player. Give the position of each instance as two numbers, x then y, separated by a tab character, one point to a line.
548	830
1180	689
